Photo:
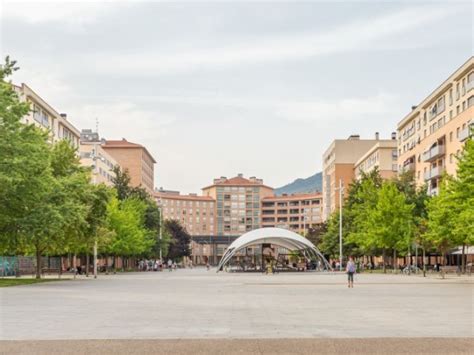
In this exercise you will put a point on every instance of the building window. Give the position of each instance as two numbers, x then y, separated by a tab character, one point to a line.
451	136
470	101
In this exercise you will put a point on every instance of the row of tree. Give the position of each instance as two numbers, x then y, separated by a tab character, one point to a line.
48	206
389	217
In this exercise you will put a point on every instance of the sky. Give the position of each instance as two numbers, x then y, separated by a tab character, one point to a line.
220	88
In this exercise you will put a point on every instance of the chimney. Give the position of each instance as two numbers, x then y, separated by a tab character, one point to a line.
414	107
353	137
377	135
240	175
63	115
394	135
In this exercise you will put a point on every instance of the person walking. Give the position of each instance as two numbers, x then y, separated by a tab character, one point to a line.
170	265
350	269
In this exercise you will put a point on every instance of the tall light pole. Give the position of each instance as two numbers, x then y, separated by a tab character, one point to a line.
341	192
94	181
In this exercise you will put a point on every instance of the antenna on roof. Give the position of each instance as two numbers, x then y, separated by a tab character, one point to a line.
96	125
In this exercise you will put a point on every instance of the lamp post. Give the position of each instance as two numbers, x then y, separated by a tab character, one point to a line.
161	230
341	192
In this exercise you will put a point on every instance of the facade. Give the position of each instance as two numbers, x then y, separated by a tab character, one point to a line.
338	165
237	203
46	117
297	212
195	213
383	156
136	159
433	133
94	156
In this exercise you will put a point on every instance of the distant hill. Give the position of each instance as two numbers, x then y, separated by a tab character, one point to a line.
311	184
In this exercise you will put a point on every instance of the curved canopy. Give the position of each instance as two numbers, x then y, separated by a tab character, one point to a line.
276	236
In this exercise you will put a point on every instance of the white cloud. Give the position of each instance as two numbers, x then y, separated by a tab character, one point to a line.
346	109
356	36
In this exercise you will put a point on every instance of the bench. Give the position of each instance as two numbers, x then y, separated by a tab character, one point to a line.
449	269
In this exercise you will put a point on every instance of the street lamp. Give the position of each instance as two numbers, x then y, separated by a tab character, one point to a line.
161	229
341	192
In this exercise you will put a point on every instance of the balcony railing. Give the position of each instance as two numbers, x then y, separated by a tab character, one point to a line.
434	153
434	173
465	133
409	167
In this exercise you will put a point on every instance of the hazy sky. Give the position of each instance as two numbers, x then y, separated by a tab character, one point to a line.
221	88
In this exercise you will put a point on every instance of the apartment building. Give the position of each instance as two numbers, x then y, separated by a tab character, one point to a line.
94	156
338	165
136	159
43	115
382	155
195	213
433	133
297	212
237	203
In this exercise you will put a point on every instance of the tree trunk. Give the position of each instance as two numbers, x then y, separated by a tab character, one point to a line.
424	262
395	261
38	263
384	261
463	260
87	264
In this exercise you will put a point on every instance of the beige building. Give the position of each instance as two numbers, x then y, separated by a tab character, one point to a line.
433	133
136	159
297	212
338	165
237	203
195	213
383	156
94	156
45	116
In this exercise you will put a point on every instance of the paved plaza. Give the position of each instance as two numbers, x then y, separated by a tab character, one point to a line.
192	305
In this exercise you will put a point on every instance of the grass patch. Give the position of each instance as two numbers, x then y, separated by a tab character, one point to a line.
6	282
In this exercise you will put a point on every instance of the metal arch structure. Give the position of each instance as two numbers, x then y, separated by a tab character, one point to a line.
276	236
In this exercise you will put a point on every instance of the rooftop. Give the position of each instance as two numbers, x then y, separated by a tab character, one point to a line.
238	180
124	144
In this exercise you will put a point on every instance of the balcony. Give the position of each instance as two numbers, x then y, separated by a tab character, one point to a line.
434	153
409	167
465	133
433	191
434	173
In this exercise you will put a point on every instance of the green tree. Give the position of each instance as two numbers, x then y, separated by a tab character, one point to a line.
418	197
121	182
362	199
40	184
462	190
126	220
25	173
441	227
390	222
180	240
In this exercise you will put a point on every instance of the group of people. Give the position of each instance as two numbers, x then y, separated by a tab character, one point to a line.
156	265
